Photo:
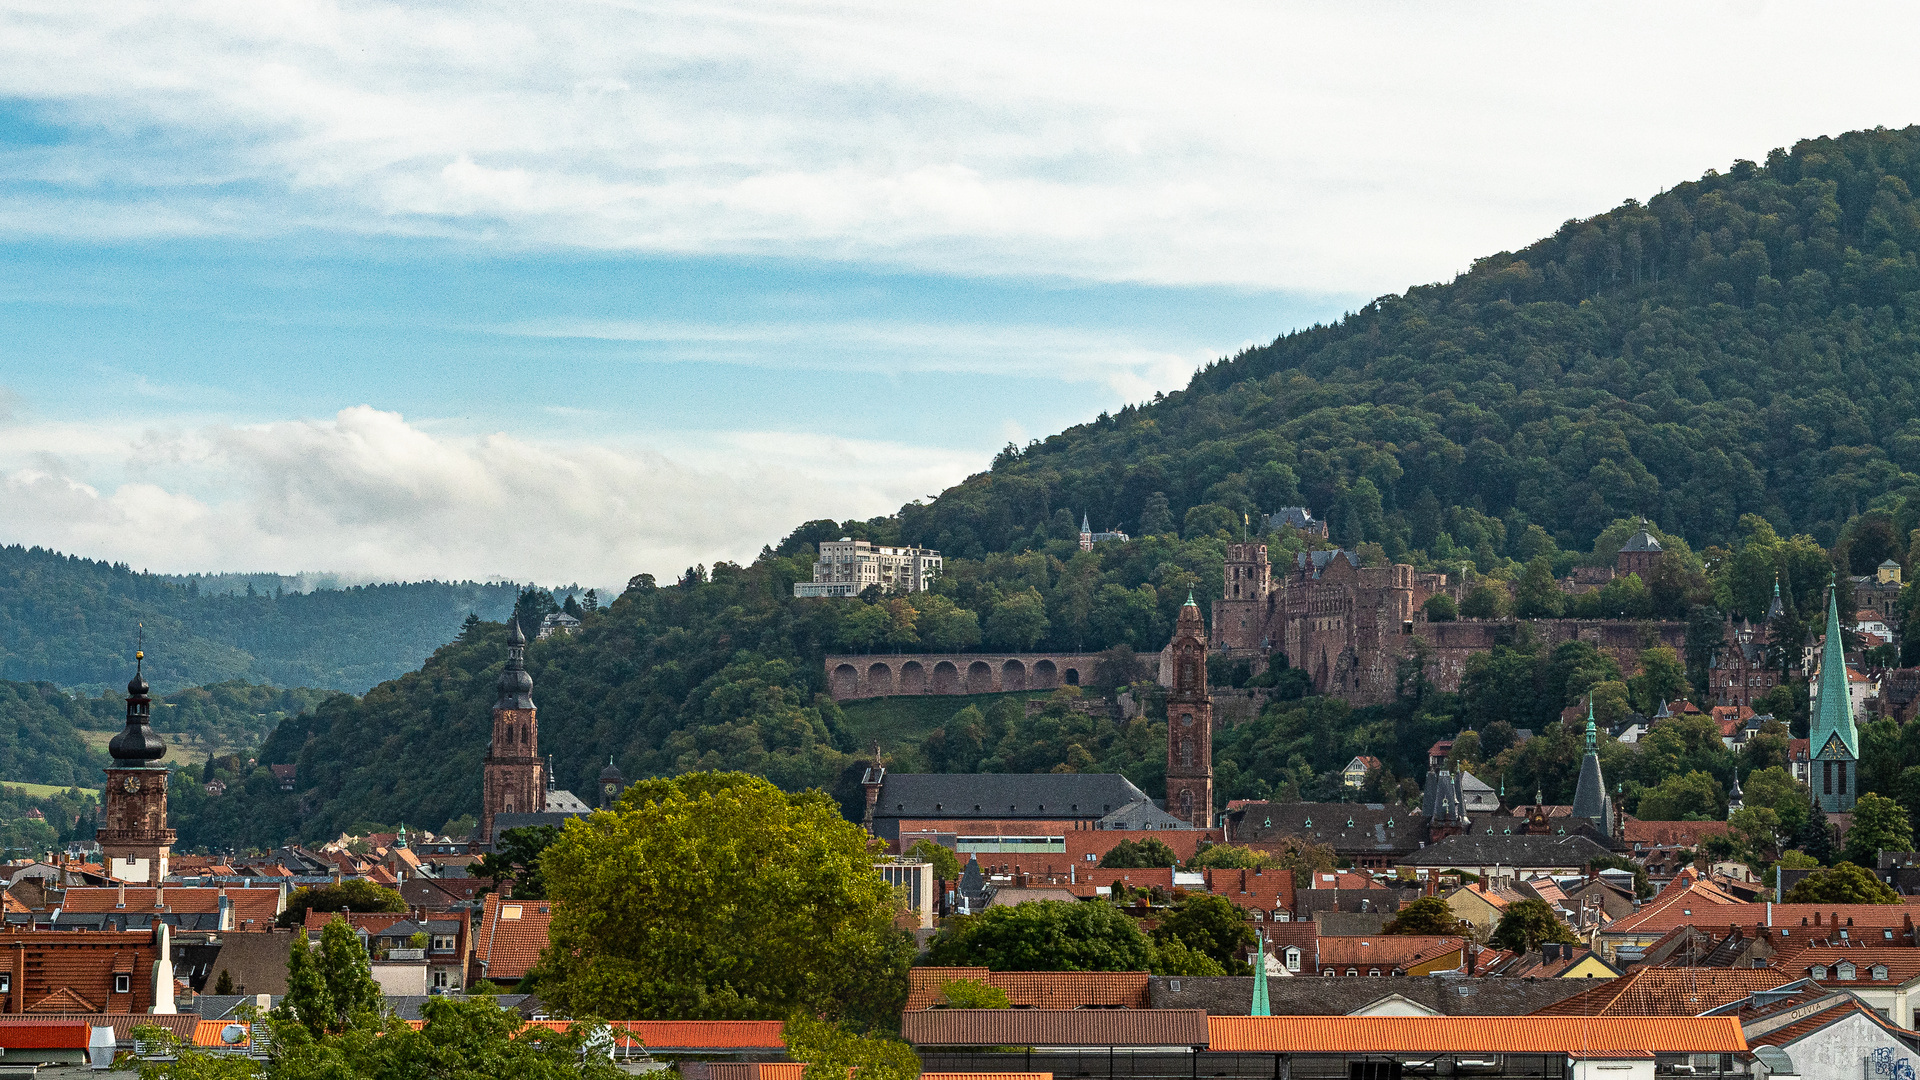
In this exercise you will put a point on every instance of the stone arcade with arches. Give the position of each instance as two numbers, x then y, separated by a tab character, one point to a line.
916	674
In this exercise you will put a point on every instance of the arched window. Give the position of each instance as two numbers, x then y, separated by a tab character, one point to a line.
1351	972
1328	974
1373	973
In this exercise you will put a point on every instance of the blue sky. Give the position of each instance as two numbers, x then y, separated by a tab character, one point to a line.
400	290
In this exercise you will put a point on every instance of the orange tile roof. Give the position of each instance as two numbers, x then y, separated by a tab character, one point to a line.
1384	951
207	1033
1660	916
512	933
689	1035
1036	989
253	909
1902	964
1668	991
1473	1034
371	922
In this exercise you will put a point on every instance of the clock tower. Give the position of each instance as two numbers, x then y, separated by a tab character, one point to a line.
1190	723
135	842
514	780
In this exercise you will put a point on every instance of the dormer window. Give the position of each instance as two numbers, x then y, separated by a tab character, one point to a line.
1817	971
1879	972
1844	971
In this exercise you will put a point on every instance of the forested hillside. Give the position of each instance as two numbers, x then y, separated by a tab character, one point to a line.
1738	361
74	622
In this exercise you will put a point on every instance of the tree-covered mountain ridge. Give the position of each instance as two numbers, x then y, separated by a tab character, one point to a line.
1745	343
1736	361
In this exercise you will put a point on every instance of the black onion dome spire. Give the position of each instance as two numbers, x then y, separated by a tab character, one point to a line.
516	686
138	742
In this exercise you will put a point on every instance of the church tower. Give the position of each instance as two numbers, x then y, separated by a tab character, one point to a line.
1190	723
135	842
1590	799
515	779
1832	741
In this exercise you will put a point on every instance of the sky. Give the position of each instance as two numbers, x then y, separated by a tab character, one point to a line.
571	292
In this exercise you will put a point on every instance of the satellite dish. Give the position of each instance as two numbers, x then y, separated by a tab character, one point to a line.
233	1034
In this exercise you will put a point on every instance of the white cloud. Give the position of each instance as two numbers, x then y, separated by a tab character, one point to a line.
369	495
1292	145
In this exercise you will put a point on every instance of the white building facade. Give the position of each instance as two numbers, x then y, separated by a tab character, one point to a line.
848	567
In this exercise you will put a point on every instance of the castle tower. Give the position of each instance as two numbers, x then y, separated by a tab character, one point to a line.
515	781
135	842
1239	618
1590	798
1190	722
1832	740
1086	533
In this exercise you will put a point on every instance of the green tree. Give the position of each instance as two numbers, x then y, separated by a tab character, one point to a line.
331	989
1207	924
1662	678
973	994
1441	608
717	895
1774	788
1141	854
1879	824
223	986
946	626
1228	857
1155	517
1428	915
516	858
1844	883
1693	796
355	894
946	865
1019	621
1487	600
1642	888
1173	957
1539	595
1529	923
831	1052
1044	935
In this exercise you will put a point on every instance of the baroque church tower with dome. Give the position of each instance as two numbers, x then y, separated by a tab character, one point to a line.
135	842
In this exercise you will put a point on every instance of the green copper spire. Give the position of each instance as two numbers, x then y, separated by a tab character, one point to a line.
1593	730
1190	602
1261	1006
1833	743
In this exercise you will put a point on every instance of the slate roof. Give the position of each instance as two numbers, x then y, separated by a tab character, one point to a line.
1319	560
1641	541
503	822
257	962
1590	794
1479	849
1349	828
1005	795
1141	814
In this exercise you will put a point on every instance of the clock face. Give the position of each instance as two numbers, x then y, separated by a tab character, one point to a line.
132	784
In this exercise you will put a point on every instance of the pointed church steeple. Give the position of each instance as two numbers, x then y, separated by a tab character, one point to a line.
1832	741
1261	1006
1590	799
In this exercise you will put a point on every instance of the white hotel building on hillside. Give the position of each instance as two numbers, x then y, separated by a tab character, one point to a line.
846	567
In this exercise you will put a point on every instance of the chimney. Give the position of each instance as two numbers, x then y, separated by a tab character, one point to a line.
120	899
159	897
506	890
1816	918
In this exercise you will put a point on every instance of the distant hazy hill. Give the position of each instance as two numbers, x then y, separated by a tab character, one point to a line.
74	622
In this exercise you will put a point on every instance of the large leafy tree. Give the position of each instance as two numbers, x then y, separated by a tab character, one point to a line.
1527	924
1139	854
516	858
356	894
1044	935
832	1052
1879	824
1207	924
1426	916
1844	883
330	989
717	895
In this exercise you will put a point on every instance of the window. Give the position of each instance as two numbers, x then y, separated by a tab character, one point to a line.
1844	971
1879	972
1826	774
1293	959
510	911
1373	973
443	944
1329	973
1817	971
1351	972
6	982
123	984
440	978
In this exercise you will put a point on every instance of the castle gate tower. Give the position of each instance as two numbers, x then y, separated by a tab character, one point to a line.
135	842
1190	723
515	779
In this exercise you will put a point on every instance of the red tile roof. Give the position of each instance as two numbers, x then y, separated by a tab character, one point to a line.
253	909
371	922
1665	991
1902	964
1473	1034
695	1035
1661	916
45	1035
1384	951
512	933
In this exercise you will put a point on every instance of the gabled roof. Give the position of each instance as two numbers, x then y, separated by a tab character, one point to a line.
512	933
1004	795
253	909
1663	991
1142	814
1385	951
